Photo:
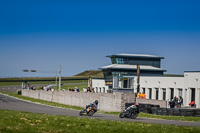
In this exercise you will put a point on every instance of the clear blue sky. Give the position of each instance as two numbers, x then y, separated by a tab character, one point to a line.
42	34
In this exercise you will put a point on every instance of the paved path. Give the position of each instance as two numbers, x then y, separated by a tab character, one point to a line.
10	103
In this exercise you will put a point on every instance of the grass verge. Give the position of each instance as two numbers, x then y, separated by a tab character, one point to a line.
41	82
143	115
15	121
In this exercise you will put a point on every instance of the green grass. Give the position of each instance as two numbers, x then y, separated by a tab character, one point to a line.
10	83
92	73
178	118
34	80
18	122
151	116
146	115
143	115
22	79
85	82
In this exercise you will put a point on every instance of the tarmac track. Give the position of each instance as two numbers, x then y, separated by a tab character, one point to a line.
11	103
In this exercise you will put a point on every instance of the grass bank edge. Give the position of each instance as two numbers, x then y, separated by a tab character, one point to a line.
18	121
143	115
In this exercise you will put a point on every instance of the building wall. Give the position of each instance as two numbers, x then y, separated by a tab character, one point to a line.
99	85
192	81
176	84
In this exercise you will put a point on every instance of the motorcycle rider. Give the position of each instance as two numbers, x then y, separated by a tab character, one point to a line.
94	104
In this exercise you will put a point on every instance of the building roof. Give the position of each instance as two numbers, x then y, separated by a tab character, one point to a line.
135	56
131	67
191	71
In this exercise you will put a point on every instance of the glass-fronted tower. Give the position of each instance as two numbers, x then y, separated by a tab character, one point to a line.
126	65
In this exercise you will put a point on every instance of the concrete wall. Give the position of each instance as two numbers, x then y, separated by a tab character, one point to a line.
162	103
107	101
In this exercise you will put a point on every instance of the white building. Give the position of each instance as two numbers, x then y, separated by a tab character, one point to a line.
157	87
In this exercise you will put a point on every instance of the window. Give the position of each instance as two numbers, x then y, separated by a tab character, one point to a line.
120	60
157	92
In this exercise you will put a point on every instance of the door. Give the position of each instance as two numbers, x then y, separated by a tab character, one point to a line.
172	93
192	94
150	93
157	93
125	84
164	94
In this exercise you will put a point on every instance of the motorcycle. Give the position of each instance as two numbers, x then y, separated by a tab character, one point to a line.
88	111
131	112
178	105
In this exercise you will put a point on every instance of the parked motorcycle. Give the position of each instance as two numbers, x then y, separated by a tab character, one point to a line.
89	111
131	112
178	105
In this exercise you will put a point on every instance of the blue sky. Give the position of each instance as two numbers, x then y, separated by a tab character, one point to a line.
42	34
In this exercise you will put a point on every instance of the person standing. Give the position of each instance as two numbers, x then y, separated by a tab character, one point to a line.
76	89
181	100
139	94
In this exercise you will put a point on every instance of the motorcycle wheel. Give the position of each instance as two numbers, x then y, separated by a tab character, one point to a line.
121	115
178	106
91	112
134	115
81	113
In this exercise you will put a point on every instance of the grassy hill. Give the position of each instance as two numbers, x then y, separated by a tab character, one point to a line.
92	73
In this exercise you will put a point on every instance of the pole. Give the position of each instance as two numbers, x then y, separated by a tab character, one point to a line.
60	78
138	78
56	78
90	78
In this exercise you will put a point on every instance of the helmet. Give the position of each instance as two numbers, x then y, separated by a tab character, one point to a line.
96	102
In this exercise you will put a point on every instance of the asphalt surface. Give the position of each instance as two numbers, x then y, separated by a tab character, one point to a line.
11	103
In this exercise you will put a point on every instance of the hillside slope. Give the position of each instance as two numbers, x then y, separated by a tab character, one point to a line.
92	73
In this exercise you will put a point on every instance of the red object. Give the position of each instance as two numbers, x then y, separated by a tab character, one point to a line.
191	103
